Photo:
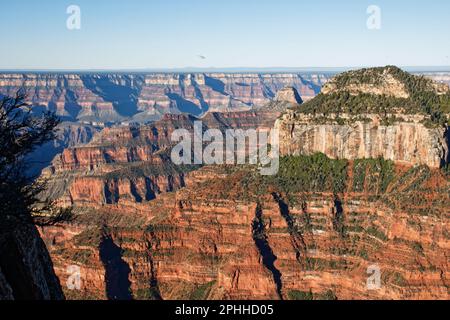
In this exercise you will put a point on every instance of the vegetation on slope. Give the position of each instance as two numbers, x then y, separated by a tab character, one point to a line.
413	190
372	174
316	173
303	295
423	98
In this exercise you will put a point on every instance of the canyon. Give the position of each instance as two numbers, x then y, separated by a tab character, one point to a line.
223	237
88	102
115	98
103	99
356	191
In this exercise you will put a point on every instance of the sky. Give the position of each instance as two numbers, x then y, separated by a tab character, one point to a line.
160	34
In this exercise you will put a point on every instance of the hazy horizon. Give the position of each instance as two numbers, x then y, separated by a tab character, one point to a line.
227	70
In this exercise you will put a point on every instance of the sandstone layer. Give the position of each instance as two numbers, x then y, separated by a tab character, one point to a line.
132	163
406	141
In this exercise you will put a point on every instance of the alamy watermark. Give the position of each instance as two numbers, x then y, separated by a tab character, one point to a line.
233	147
74	280
374	279
374	20
73	22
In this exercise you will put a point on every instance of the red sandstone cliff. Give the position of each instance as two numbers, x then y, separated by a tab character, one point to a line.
211	241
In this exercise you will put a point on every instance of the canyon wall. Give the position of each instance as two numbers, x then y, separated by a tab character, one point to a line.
98	100
147	229
223	233
105	98
67	135
215	240
407	140
132	163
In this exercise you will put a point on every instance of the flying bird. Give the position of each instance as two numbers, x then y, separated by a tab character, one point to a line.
202	57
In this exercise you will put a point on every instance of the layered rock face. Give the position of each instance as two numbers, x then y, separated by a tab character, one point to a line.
67	135
290	95
126	169
408	141
120	164
105	98
70	96
215	240
132	163
219	92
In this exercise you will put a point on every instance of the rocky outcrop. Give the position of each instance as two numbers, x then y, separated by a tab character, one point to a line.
288	94
124	144
388	85
388	81
67	135
26	270
371	113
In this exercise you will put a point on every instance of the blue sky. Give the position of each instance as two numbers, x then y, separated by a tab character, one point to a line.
129	34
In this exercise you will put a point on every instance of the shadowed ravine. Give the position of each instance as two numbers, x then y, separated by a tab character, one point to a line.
117	271
298	243
338	219
268	258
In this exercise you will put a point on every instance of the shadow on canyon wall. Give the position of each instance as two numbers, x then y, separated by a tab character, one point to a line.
268	257
124	98
117	271
184	105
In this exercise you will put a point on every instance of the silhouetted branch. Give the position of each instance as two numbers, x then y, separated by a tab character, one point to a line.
21	132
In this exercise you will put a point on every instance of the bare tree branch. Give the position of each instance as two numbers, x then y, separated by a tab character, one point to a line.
21	132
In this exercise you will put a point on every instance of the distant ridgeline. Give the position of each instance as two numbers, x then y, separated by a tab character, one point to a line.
385	91
115	98
89	102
